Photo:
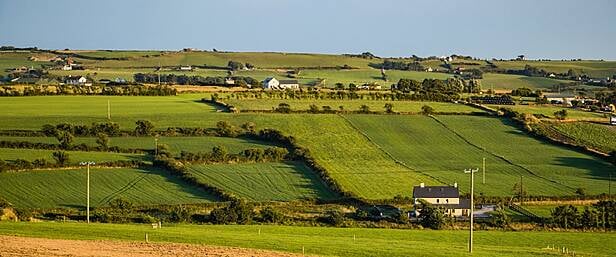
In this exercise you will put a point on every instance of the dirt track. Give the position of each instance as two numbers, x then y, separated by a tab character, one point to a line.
25	246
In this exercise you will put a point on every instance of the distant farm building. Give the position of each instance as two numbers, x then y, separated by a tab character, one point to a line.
186	68
445	197
556	98
76	80
273	83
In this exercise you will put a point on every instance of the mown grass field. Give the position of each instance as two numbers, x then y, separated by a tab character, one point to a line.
597	136
176	144
11	154
350	105
507	81
67	188
327	241
286	181
443	152
361	76
548	110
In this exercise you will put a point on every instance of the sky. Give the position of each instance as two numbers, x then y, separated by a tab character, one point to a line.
553	29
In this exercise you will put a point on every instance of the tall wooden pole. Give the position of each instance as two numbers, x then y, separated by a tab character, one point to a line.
88	195
472	207
484	170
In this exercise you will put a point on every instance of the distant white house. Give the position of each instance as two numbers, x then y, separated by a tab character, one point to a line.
67	67
273	83
77	80
186	68
557	98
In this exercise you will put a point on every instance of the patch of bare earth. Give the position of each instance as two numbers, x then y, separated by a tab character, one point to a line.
27	246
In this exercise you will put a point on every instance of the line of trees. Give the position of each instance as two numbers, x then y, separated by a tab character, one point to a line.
153	78
127	90
600	215
220	154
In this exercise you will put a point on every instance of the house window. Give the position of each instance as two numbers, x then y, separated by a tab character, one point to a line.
437	200
447	200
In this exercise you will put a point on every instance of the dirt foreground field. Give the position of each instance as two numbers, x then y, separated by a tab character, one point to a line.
27	246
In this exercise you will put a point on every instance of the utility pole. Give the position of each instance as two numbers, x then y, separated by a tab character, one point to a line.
470	240
156	144
484	170
87	188
521	190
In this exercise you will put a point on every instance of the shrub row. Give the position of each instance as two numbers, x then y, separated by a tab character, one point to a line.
79	147
24	165
219	155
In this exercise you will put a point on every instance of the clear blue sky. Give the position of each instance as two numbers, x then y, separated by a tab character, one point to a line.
487	28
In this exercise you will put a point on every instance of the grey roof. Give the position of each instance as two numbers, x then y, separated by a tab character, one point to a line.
268	79
291	81
436	192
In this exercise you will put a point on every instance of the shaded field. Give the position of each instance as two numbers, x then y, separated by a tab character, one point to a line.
265	181
350	105
444	151
11	154
597	136
327	241
67	188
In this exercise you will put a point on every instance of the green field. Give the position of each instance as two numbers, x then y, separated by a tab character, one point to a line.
265	181
507	81
176	144
350	105
430	148
362	76
597	136
67	188
600	69
327	241
548	110
10	154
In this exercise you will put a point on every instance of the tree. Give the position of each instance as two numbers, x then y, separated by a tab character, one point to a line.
226	129
271	216
589	218
219	153
561	115
122	208
102	140
334	217
283	108
499	218
427	110
250	127
580	191
61	157
364	109
389	108
519	191
233	65
313	108
237	212
144	128
431	216
566	216
339	86
65	138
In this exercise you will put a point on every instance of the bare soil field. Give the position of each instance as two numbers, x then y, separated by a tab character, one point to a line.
27	246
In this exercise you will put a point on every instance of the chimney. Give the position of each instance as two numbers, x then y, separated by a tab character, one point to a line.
422	185
455	184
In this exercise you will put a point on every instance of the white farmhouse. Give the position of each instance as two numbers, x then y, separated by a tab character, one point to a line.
273	83
445	197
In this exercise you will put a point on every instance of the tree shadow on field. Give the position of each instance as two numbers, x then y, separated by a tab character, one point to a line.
592	167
